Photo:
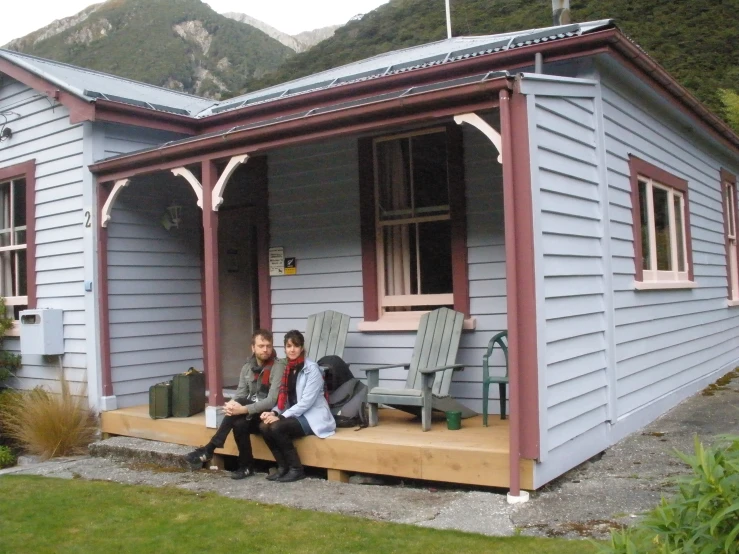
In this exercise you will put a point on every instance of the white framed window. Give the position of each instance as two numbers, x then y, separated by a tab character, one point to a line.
662	242
413	221
664	255
728	185
13	245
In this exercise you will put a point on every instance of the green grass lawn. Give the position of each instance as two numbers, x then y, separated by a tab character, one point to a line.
39	514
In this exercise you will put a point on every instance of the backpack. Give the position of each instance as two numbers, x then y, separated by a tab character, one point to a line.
335	372
348	404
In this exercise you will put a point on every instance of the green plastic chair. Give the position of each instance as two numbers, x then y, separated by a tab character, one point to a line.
501	340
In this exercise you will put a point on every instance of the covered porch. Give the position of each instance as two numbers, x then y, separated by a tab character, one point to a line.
474	455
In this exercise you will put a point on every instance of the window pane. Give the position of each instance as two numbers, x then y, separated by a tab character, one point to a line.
399	259
430	183
660	199
20	202
393	179
435	247
6	274
22	272
5	214
730	209
677	203
646	259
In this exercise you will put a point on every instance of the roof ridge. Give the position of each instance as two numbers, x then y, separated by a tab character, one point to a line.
93	71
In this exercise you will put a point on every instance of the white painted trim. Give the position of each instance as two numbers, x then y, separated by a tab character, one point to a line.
732	303
194	183
541	341
108	403
609	294
660	285
213	416
485	128
233	163
108	207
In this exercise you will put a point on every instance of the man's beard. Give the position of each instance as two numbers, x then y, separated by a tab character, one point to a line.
262	358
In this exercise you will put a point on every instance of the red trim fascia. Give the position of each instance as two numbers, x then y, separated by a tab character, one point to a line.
428	105
104	315
458	213
118	112
728	180
367	228
525	315
212	332
637	167
27	171
259	178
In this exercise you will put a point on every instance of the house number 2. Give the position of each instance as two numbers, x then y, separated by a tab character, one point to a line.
88	218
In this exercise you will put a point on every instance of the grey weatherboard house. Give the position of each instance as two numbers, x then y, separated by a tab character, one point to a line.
590	209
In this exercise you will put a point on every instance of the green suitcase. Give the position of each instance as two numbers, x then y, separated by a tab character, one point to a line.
188	393
160	400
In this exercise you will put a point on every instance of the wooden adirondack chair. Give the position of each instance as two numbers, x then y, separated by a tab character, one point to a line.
325	334
430	371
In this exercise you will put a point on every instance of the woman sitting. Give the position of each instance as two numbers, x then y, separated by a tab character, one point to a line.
302	409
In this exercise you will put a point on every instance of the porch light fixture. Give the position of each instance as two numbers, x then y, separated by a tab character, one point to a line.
171	217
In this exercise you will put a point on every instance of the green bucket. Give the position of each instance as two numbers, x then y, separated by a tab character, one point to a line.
454	420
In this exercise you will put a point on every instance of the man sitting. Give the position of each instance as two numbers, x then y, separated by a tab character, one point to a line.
259	385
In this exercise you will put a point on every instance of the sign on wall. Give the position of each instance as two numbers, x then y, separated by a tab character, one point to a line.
276	261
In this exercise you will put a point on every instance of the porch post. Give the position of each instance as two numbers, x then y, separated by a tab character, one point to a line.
108	400
212	361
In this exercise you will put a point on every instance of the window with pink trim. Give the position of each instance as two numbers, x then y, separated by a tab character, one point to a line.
728	187
17	253
662	245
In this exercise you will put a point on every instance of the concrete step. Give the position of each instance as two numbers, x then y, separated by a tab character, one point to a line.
129	449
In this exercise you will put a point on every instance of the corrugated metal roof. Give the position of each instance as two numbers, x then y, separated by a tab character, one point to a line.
89	85
417	57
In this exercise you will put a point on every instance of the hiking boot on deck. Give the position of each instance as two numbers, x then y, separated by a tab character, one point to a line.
198	457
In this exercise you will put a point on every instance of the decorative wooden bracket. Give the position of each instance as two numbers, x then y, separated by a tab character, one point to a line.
478	122
233	163
108	207
194	183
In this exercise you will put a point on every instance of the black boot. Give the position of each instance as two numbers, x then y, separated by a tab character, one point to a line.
200	456
281	466
295	473
242	472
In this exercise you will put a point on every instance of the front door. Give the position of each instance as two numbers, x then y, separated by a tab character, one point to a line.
237	279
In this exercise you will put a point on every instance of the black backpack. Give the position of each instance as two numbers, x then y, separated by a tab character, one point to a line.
335	372
348	404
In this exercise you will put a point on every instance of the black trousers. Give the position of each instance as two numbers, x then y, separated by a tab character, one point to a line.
279	438
243	426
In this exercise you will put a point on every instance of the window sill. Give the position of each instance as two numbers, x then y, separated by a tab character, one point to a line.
664	285
404	322
732	303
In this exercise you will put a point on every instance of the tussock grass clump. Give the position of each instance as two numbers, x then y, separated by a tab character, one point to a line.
48	424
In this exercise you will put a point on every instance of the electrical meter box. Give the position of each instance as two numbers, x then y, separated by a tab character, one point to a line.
42	332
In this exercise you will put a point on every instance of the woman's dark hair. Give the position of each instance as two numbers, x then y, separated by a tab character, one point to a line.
296	337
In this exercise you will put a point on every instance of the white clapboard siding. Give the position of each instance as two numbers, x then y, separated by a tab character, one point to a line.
668	342
314	216
42	131
154	288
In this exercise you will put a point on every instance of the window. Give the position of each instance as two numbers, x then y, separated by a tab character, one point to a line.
413	226
728	187
17	282
661	227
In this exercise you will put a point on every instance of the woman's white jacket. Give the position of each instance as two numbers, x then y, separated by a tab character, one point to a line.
311	401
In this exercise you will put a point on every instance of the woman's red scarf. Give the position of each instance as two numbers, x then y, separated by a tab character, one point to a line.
292	365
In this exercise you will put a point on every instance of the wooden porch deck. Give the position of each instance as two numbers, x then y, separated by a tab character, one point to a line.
473	455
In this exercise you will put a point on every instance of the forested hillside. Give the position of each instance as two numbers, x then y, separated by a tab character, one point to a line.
697	41
181	44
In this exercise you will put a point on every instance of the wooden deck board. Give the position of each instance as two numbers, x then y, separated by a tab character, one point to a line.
474	455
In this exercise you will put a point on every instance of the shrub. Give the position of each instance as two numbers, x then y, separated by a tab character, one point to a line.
9	362
703	517
48	424
7	458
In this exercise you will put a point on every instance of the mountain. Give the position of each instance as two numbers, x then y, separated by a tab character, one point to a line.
696	41
298	43
180	44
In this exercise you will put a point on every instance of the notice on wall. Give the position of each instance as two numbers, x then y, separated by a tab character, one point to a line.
276	261
291	267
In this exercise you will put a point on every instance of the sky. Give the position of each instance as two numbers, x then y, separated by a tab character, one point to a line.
20	17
